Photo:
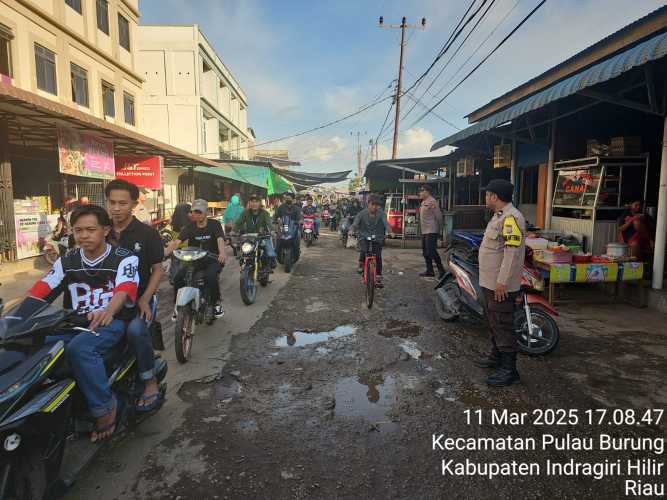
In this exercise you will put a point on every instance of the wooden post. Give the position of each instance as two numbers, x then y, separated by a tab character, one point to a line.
7	230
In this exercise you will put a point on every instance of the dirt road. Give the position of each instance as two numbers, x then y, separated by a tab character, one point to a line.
315	396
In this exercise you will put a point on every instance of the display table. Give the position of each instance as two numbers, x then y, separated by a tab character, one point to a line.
589	272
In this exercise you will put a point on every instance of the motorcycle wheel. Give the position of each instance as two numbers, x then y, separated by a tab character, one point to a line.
546	334
248	286
287	259
183	333
51	255
445	311
309	241
30	478
370	284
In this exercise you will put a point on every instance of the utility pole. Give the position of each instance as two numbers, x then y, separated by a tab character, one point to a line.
399	85
357	150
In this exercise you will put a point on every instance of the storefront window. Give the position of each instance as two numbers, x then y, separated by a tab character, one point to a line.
79	85
103	16
577	188
108	100
45	63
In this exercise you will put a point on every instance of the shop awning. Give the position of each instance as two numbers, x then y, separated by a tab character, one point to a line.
31	121
393	169
313	179
650	50
261	177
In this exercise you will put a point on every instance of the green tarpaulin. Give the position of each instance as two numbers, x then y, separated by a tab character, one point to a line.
262	177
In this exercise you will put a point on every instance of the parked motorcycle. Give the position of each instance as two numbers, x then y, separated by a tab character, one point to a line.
45	424
345	229
459	289
309	229
54	248
193	304
254	264
287	243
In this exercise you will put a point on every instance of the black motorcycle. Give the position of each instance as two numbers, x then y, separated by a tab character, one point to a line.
345	229
255	265
45	424
287	243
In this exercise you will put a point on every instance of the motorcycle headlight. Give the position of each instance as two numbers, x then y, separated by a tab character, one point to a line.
286	228
247	247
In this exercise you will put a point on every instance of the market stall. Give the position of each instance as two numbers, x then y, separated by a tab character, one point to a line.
590	195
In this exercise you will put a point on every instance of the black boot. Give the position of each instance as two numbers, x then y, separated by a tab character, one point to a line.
507	373
491	360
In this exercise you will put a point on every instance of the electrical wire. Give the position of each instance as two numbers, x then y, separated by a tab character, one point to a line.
416	101
458	49
502	42
491	33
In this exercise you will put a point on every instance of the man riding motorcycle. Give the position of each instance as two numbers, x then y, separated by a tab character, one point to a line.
255	219
145	242
289	208
208	235
102	282
312	210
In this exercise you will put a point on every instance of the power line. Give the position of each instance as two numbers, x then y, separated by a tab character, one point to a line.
491	33
502	42
458	49
416	100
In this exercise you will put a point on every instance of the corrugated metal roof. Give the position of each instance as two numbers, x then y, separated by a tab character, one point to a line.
650	50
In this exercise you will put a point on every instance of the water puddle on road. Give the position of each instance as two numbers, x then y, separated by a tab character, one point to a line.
402	329
370	396
302	338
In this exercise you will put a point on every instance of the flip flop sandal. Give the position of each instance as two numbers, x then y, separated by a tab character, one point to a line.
154	400
102	430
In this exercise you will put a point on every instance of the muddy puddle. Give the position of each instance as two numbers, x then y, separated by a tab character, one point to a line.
302	338
369	396
402	329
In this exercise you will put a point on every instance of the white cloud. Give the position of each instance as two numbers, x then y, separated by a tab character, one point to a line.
325	151
414	142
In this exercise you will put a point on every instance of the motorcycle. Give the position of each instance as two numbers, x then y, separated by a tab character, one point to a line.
45	424
287	243
345	229
325	217
333	221
162	227
309	229
534	320
54	248
193	305
254	264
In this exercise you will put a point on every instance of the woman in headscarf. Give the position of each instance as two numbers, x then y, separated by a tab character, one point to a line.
232	212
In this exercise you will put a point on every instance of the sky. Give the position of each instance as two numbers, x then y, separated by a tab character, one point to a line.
304	63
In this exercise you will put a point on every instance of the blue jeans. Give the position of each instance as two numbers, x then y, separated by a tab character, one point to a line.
139	338
85	353
318	221
268	248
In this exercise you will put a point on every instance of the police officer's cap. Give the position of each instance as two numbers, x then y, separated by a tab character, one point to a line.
500	187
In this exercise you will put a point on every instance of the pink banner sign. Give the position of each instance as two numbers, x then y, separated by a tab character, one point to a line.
84	154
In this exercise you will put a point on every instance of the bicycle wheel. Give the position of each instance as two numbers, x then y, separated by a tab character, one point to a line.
370	282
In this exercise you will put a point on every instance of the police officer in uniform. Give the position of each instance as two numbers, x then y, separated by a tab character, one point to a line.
501	258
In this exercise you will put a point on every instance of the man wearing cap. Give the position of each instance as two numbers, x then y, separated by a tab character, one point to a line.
430	221
501	257
208	235
255	219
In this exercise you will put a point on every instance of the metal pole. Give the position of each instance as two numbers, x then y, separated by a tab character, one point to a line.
398	92
548	207
661	223
513	174
404	205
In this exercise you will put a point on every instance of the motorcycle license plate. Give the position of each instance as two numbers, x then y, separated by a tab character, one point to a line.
286	228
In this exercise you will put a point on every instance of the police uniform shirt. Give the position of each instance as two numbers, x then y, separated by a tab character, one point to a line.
88	285
502	252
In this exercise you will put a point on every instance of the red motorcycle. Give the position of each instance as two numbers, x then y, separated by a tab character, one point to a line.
309	229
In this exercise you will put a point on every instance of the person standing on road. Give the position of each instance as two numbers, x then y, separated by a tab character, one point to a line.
208	235
371	221
501	258
145	242
430	220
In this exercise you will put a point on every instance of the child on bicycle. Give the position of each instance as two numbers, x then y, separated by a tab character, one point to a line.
371	221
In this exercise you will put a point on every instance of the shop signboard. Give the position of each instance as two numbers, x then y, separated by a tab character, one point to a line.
595	272
32	227
144	171
84	154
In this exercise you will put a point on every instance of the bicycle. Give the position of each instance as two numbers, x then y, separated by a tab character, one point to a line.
370	270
